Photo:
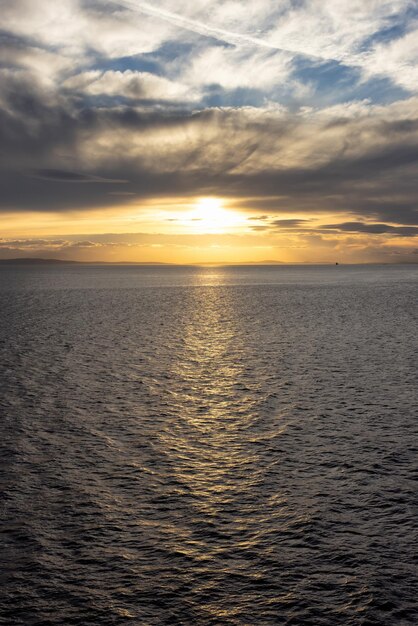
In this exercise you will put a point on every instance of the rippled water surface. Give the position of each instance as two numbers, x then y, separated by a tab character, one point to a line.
209	446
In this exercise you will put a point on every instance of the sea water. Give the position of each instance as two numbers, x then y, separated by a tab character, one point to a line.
209	445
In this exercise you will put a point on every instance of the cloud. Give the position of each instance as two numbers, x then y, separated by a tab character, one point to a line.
21	244
375	229
130	84
290	223
232	99
198	26
309	247
66	176
396	59
357	158
259	43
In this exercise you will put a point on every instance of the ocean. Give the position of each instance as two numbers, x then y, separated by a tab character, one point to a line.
209	445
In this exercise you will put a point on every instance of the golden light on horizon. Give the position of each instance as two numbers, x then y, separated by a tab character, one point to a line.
194	229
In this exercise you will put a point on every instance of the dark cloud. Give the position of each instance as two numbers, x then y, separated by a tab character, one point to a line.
364	164
33	122
373	229
290	223
13	43
66	176
260	228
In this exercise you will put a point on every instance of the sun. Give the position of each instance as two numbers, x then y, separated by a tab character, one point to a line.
209	216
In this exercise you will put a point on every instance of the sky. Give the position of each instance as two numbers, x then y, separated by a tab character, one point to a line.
209	131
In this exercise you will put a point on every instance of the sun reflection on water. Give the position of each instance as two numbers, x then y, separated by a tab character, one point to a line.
208	374
215	398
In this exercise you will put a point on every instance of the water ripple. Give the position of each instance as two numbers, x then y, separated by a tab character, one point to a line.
209	448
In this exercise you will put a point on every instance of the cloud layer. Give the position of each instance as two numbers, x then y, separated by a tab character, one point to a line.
131	100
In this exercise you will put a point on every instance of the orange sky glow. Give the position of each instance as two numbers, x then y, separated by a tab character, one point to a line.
192	230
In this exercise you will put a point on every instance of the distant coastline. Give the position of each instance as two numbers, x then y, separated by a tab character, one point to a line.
35	261
42	261
46	261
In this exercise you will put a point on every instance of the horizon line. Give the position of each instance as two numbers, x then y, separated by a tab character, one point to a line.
269	262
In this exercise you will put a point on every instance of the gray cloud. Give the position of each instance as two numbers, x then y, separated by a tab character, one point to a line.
373	229
63	146
65	176
290	223
236	153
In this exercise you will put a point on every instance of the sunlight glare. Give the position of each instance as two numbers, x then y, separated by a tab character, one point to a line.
209	216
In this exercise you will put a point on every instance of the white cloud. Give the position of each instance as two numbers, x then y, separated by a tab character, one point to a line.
262	39
238	67
333	29
396	59
130	84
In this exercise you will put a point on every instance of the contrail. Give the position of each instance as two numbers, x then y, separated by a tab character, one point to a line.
226	36
196	26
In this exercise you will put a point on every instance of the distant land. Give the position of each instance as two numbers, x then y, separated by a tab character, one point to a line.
34	261
41	261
